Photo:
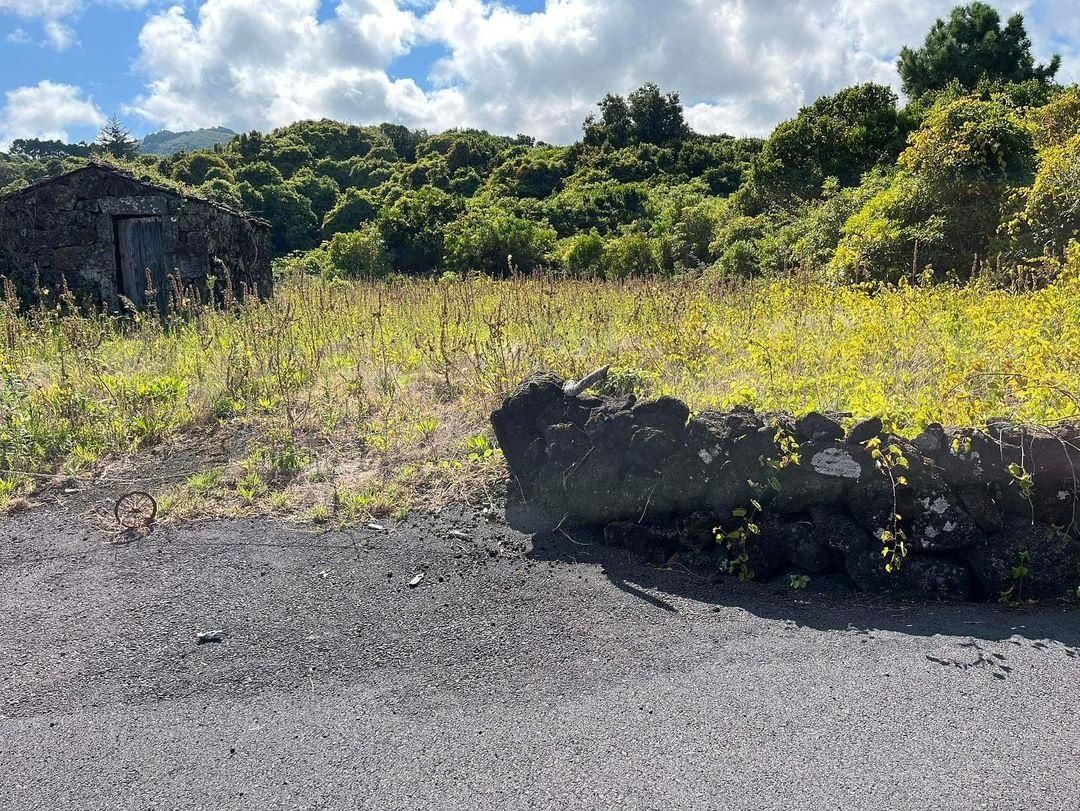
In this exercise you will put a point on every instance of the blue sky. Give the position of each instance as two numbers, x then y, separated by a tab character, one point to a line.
535	66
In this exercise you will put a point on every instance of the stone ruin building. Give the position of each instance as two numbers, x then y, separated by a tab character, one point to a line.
109	235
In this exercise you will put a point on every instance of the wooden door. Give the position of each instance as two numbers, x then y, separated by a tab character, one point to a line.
142	260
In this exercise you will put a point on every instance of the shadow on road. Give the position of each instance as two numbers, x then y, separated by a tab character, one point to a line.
828	604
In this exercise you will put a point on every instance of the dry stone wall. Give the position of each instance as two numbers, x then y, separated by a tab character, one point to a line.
980	513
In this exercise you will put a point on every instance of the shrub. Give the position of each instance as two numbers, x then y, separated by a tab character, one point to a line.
692	234
840	136
1050	214
494	242
1059	120
414	227
259	174
971	140
740	258
353	209
601	206
358	253
630	255
320	190
582	255
293	223
196	168
943	206
221	191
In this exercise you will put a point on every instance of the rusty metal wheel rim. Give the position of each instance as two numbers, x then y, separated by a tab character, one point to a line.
135	509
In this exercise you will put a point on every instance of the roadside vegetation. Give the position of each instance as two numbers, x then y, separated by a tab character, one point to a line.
917	261
343	399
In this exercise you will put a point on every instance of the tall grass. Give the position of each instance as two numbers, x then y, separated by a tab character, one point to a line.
373	396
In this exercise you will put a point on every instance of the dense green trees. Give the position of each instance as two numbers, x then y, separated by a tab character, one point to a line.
494	242
840	136
969	46
979	167
37	149
359	253
646	116
414	228
944	204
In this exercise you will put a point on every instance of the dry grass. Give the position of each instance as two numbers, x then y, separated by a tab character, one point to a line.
347	400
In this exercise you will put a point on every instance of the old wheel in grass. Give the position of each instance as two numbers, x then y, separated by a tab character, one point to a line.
135	510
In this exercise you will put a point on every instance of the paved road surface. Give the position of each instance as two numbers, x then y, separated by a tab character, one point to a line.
560	676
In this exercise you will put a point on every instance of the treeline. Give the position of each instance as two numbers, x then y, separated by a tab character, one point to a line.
979	171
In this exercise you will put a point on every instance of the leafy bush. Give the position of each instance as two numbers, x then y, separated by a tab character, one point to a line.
740	258
195	169
692	235
582	254
943	206
413	228
221	191
595	206
359	253
1058	120
630	255
1050	213
259	174
322	191
352	209
491	241
292	222
840	136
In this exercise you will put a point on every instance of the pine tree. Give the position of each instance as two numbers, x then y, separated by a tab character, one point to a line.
115	140
971	45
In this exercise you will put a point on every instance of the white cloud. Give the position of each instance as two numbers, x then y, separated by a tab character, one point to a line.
59	36
46	110
739	65
18	36
56	18
49	9
264	65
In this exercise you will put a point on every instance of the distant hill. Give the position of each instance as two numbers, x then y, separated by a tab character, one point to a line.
168	142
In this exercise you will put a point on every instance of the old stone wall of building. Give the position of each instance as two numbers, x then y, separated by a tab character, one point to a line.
66	229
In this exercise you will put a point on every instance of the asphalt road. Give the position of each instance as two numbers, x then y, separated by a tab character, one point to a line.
560	675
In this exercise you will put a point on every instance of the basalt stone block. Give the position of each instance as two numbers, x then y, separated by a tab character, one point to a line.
649	448
917	576
610	428
1052	562
797	543
1036	504
939	522
818	427
834	529
932	442
822	476
981	506
865	430
515	422
873	503
665	413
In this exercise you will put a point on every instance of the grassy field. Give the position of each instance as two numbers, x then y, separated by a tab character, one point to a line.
347	400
